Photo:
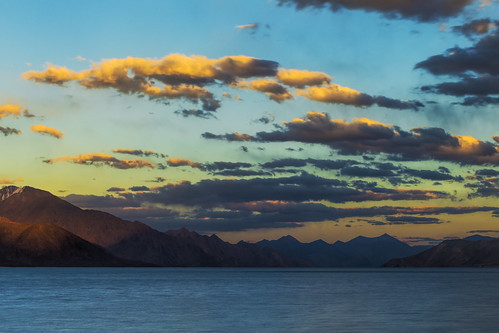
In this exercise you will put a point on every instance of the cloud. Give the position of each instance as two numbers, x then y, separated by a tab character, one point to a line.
98	159
182	76
475	27
47	130
8	181
244	215
252	26
10	110
178	76
9	131
116	189
476	67
336	94
196	113
138	152
305	187
424	10
364	135
176	162
301	78
270	87
403	219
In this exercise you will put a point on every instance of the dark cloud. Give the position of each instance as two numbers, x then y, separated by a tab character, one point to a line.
431	175
139	188
412	220
9	131
480	101
485	187
476	67
475	27
367	136
215	166
116	189
483	85
422	10
196	113
358	171
304	187
241	173
487	172
138	152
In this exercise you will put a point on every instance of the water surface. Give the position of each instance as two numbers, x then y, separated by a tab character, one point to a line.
248	300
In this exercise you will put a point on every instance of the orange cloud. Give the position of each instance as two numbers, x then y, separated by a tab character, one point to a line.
301	78
103	159
9	110
7	181
180	76
270	87
47	130
176	162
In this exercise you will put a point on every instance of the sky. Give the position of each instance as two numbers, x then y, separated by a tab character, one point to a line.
323	119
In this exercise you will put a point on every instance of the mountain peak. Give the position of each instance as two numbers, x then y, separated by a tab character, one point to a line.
8	191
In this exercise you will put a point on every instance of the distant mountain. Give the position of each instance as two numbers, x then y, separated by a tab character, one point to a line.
358	252
235	255
45	244
474	238
454	253
124	239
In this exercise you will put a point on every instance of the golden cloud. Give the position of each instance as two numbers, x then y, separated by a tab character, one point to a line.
9	110
301	78
179	76
176	162
47	130
103	159
270	87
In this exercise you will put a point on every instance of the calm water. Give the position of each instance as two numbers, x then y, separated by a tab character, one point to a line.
248	300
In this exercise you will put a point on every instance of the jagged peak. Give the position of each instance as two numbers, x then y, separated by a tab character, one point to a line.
8	191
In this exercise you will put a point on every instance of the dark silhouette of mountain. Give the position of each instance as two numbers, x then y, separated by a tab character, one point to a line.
45	244
235	255
124	239
358	252
474	238
454	253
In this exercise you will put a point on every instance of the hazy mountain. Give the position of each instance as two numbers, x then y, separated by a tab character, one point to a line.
358	252
45	244
125	239
478	237
454	253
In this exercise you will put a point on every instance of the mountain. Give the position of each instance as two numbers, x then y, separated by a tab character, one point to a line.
474	238
358	252
130	240
45	244
236	255
454	253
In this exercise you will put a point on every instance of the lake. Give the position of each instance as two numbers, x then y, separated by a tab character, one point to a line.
248	300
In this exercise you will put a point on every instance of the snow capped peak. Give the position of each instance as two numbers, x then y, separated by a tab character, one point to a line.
8	191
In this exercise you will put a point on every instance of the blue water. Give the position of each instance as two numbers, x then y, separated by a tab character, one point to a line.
248	300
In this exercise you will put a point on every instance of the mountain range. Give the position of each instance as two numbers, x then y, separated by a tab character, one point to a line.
40	229
133	241
358	252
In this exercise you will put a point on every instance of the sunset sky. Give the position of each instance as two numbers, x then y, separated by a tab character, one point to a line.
258	119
